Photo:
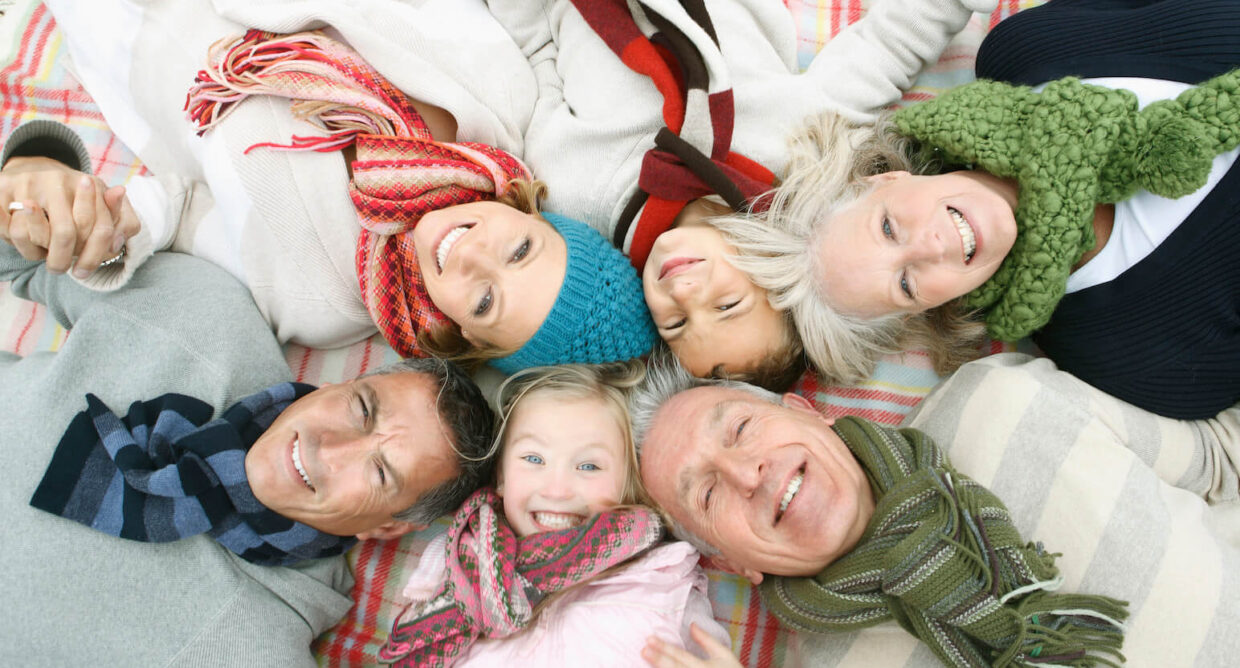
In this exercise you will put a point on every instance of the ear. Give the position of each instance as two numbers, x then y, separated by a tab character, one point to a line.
876	179
800	403
390	530
724	564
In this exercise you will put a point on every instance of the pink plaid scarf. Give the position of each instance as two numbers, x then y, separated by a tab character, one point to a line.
400	172
495	579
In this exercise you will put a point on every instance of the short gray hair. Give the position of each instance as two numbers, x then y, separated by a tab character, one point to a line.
829	162
467	416
666	378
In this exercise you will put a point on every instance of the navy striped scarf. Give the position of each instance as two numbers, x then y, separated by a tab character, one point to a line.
166	471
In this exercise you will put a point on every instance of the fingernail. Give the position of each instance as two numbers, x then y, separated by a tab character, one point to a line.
84	182
118	242
80	272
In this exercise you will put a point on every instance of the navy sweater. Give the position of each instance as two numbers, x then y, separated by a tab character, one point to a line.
1165	334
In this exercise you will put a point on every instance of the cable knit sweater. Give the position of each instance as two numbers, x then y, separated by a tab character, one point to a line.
595	117
281	222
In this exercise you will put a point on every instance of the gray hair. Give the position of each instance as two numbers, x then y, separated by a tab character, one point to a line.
464	412
666	378
829	162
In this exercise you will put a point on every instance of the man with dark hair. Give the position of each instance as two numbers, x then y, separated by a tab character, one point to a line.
372	457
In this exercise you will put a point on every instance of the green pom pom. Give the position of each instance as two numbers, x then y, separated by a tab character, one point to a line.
1177	157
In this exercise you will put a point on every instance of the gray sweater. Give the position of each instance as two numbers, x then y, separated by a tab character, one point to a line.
74	596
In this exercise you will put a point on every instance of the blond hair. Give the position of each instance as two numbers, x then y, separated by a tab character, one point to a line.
607	383
830	161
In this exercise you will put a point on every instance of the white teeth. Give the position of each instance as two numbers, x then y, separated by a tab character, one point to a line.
793	487
966	233
445	246
297	463
557	521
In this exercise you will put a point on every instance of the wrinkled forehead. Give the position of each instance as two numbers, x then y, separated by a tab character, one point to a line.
683	430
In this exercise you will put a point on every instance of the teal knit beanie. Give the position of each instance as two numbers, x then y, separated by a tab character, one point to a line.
600	314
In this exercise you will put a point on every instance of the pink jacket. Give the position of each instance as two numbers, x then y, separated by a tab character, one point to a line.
600	623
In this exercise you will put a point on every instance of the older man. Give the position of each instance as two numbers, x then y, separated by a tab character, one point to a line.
838	510
372	457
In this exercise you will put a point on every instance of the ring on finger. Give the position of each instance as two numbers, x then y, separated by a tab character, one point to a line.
113	260
16	206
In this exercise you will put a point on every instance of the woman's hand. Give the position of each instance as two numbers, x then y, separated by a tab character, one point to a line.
63	214
663	655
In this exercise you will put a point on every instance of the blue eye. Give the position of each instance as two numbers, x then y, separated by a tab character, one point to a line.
904	286
728	307
589	467
887	232
382	474
533	459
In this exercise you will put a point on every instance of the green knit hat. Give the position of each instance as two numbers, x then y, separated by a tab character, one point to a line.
1070	147
600	314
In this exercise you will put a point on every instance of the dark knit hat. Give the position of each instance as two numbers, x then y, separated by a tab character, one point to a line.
600	314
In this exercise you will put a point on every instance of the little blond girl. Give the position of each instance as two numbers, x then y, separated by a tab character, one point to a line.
538	554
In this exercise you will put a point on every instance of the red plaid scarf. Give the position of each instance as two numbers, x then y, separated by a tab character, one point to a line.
400	172
494	579
693	154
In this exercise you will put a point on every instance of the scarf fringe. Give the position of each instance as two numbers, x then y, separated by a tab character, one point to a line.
1067	630
325	75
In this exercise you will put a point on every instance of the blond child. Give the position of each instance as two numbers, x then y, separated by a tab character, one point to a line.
562	549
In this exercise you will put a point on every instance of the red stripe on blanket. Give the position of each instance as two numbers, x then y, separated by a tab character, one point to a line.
770	635
33	309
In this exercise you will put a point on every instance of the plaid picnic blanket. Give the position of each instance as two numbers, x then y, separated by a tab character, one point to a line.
36	82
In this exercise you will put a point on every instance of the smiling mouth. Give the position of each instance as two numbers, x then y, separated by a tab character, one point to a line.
445	245
677	265
794	486
297	463
549	521
968	239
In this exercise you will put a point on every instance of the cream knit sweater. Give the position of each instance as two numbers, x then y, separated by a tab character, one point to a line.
281	222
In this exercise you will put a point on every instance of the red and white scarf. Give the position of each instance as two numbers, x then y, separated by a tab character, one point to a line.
692	156
400	172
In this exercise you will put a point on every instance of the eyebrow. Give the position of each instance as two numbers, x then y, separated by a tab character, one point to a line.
372	398
713	423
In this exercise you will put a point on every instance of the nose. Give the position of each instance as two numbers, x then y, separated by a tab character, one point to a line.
472	254
742	470
682	290
557	486
340	449
928	247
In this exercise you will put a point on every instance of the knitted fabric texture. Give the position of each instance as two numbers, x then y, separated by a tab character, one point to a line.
400	172
942	558
494	579
1070	147
692	156
600	314
166	471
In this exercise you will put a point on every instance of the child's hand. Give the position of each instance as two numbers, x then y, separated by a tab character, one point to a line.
662	655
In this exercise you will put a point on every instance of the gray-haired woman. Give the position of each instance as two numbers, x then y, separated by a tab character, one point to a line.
1055	228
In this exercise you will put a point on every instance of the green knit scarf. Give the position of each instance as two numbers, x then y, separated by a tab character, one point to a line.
941	557
1070	147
